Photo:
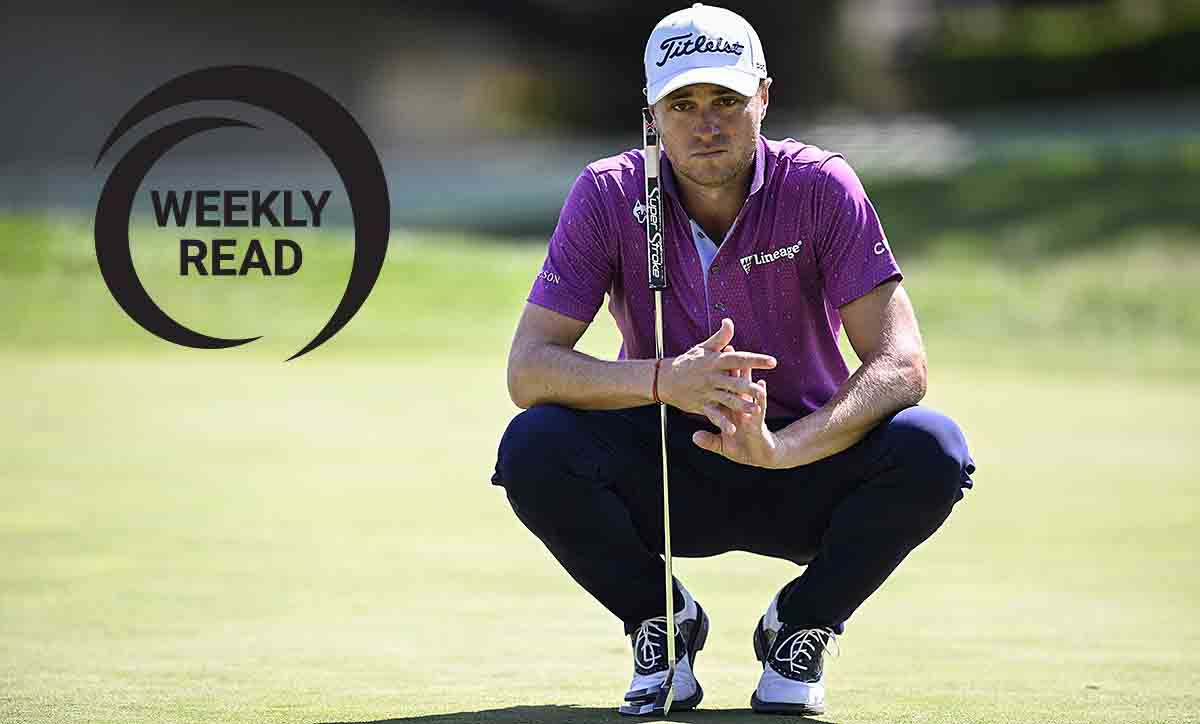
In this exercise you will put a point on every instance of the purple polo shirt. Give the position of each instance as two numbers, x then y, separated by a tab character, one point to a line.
806	242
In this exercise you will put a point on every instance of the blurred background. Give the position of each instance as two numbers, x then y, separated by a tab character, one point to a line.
219	536
503	105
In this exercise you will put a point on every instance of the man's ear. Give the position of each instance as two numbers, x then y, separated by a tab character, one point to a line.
764	90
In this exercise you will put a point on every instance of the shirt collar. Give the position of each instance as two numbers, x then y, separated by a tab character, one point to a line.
760	164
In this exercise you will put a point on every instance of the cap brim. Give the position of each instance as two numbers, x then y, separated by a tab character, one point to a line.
734	79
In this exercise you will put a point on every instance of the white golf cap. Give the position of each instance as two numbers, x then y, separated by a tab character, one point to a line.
703	44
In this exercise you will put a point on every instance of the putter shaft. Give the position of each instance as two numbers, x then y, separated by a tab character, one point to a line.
657	268
670	577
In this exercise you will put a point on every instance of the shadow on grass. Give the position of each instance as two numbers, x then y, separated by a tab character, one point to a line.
552	714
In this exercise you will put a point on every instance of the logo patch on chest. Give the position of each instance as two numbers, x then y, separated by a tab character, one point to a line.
783	252
639	212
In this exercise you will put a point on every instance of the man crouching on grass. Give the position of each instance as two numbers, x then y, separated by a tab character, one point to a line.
771	247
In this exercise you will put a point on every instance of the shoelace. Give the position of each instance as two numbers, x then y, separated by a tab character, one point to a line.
801	646
647	649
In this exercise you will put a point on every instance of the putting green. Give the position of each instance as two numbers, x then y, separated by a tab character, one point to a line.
202	538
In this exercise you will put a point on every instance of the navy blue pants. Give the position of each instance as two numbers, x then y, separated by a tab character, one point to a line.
589	485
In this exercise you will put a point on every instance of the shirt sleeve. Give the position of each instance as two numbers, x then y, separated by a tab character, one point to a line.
579	263
852	251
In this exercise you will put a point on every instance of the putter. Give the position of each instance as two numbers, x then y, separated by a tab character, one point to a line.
658	282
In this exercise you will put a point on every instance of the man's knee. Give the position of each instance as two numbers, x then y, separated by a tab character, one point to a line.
931	448
534	452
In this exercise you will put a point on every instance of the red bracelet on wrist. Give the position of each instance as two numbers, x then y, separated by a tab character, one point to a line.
654	388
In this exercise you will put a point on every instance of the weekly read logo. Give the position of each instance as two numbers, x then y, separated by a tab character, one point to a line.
268	217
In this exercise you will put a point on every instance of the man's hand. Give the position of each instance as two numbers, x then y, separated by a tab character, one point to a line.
750	442
703	380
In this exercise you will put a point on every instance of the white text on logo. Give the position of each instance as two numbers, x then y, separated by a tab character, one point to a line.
789	252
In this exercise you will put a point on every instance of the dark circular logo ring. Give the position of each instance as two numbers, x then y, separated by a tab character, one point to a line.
312	110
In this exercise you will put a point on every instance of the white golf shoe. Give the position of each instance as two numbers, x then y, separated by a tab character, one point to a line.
792	658
644	697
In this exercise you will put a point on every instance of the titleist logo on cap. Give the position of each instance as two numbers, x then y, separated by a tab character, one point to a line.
673	48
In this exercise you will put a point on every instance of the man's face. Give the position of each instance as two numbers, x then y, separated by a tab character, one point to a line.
710	132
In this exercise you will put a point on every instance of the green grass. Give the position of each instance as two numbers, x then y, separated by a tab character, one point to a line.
194	536
1130	309
1075	260
217	540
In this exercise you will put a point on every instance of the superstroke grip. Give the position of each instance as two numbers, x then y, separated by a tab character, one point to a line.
654	217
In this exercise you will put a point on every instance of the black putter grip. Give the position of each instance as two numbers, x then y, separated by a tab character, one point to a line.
656	259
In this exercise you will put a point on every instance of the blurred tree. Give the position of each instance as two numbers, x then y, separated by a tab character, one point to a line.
589	55
989	53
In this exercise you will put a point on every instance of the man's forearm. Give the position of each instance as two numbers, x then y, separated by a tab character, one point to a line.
878	388
551	373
